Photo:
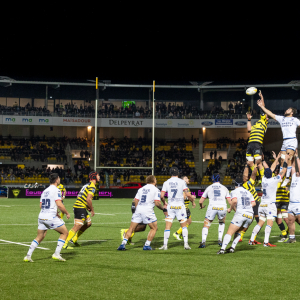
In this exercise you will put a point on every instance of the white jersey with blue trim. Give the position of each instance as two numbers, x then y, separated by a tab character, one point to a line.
146	196
269	188
217	194
175	188
48	199
288	126
295	189
244	199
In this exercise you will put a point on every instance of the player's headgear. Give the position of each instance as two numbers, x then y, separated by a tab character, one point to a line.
268	173
174	171
215	177
238	181
93	175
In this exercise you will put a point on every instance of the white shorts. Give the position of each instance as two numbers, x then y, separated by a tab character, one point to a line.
212	211
289	144
242	219
268	211
45	224
176	210
146	218
294	208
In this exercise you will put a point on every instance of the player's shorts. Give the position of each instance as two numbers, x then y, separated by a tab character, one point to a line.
133	208
268	211
254	149
255	208
242	219
145	218
213	211
45	224
188	213
283	206
80	213
289	144
294	208
176	210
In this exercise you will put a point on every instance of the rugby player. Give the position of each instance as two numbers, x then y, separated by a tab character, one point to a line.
146	198
82	220
63	196
178	234
289	126
48	219
177	191
249	186
294	205
256	138
242	202
267	209
216	193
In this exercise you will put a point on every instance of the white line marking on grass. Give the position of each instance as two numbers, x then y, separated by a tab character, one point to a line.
9	242
4	206
104	214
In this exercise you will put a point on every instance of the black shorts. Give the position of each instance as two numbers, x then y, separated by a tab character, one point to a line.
254	149
282	205
255	208
188	213
80	213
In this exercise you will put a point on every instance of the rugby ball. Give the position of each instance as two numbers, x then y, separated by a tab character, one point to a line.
251	91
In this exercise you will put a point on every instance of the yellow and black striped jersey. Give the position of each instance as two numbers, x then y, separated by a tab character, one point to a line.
89	188
282	195
186	200
258	130
249	186
62	189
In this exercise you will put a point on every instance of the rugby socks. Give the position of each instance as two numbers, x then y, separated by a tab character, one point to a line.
226	241
179	231
257	219
267	234
147	243
236	240
185	235
221	230
59	246
61	215
32	247
204	234
288	172
132	234
124	242
242	235
166	237
76	236
292	236
282	229
255	231
70	236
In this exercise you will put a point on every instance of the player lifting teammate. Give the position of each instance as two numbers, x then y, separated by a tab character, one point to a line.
289	126
82	220
178	233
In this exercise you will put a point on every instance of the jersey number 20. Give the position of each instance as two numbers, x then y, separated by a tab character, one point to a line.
45	203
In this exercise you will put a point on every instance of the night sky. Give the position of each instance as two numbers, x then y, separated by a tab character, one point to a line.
140	41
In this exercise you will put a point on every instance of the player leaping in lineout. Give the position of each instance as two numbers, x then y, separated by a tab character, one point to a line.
288	124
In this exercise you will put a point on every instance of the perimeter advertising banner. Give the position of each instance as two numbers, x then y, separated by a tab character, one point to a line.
72	193
131	122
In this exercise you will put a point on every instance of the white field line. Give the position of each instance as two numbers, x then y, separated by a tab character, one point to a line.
9	242
4	206
104	214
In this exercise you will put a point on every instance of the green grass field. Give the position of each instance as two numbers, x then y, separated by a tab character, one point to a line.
98	271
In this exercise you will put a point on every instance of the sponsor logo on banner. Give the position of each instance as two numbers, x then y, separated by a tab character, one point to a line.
126	123
16	193
26	120
189	123
273	123
240	123
105	194
10	120
43	120
33	193
207	123
224	122
161	124
74	120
